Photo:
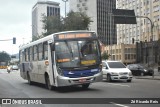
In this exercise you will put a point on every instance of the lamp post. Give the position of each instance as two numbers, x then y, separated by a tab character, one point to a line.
65	5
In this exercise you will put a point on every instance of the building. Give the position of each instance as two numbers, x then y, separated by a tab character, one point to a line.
99	11
122	52
142	30
148	52
48	8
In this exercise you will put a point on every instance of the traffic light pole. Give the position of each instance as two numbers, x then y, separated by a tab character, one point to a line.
14	40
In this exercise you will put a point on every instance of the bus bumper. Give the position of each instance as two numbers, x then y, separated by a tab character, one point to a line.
65	81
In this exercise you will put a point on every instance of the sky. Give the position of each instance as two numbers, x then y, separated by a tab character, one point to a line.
16	21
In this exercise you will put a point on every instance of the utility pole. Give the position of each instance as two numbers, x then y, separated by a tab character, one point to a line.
65	6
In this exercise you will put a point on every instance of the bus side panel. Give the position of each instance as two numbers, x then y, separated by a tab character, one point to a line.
42	68
34	72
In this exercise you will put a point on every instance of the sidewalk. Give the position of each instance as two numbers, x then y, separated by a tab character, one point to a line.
155	77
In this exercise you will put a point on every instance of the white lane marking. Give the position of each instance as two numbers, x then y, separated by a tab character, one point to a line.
119	104
119	84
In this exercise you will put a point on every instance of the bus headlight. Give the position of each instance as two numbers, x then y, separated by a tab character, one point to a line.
60	72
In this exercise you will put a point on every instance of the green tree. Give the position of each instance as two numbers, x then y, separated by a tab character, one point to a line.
4	57
105	55
76	21
52	24
73	21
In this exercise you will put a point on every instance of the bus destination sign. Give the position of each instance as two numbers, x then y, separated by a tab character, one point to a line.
73	35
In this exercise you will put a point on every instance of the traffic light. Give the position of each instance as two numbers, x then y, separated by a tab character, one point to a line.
132	40
14	40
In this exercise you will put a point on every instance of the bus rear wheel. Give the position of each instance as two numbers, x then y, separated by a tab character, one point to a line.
85	86
48	84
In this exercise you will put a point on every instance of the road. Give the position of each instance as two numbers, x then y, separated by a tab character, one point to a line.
13	86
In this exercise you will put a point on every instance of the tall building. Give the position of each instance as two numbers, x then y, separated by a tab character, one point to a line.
48	8
142	30
99	11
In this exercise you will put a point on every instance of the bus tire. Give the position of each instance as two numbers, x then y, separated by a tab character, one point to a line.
48	84
29	79
85	86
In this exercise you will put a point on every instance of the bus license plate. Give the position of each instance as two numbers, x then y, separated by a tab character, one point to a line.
82	80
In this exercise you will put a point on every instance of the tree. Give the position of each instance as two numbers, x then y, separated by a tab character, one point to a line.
73	21
77	21
4	57
105	55
52	24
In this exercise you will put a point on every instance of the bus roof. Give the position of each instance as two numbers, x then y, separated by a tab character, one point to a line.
51	37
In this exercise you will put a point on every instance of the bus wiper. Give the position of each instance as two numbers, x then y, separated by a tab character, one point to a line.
69	48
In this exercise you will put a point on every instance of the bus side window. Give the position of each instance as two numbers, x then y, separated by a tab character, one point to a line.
31	54
35	52
26	54
20	53
23	55
45	50
40	51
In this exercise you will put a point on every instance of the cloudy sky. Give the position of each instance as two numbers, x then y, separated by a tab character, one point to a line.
15	21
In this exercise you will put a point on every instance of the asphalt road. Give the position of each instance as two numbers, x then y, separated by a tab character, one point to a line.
13	86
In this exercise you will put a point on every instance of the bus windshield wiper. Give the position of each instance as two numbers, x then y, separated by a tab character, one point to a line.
69	48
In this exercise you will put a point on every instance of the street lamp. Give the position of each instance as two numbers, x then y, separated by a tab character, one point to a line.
65	5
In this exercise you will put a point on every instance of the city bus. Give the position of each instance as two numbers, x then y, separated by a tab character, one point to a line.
62	59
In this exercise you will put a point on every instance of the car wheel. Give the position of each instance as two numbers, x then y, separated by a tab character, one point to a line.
48	84
129	80
8	71
142	74
29	79
109	78
85	86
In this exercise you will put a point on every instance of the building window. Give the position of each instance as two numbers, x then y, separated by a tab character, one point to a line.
78	5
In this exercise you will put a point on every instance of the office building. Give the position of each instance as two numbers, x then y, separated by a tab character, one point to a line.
99	11
142	30
48	8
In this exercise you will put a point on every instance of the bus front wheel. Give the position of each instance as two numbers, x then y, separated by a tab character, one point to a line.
48	84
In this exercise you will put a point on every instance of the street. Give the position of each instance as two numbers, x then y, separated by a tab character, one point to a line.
13	86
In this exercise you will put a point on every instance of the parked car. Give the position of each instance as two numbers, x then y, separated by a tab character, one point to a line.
115	70
140	70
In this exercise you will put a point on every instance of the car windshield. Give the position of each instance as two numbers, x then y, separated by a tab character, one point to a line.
77	53
116	65
15	66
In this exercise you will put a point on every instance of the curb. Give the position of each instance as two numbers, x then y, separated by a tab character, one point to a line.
150	78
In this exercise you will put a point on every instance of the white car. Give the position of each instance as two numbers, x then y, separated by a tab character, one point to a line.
116	70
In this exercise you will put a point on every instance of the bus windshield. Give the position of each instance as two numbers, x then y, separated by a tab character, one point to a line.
77	53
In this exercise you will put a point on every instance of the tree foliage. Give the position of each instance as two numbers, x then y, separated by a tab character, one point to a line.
4	57
77	21
73	21
52	24
105	55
